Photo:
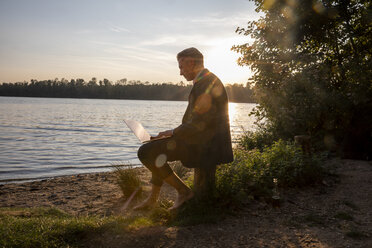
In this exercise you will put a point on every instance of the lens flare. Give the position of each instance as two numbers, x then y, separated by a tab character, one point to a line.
203	103
160	160
171	145
318	7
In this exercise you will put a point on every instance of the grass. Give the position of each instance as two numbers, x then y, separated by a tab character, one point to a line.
128	179
41	227
50	227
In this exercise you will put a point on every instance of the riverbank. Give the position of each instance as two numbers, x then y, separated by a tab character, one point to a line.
82	194
334	214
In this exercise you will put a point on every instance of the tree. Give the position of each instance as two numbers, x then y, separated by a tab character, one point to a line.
92	82
122	81
312	71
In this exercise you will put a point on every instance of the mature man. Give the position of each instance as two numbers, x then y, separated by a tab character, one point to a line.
202	140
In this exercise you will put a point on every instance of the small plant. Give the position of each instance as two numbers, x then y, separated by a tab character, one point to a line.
164	202
128	179
180	170
159	215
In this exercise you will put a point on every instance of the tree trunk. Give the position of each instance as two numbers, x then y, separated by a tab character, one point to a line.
305	142
204	182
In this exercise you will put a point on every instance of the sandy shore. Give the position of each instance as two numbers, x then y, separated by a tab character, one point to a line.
94	193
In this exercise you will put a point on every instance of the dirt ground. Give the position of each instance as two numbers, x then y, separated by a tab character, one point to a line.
335	214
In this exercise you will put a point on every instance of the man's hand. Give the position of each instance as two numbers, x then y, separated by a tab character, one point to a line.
168	133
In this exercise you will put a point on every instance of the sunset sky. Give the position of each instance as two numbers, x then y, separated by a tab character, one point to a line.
115	39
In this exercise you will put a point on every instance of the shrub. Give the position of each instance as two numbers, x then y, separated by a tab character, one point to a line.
252	172
286	162
128	179
258	139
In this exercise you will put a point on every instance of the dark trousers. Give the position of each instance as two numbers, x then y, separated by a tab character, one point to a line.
155	155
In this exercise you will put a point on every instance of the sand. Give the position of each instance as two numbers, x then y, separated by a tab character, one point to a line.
83	194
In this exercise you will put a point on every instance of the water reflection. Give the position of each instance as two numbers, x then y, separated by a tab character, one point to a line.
232	110
43	137
240	119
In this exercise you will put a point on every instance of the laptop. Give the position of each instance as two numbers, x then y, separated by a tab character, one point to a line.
140	131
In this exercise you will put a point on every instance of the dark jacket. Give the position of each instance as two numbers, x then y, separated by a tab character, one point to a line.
205	125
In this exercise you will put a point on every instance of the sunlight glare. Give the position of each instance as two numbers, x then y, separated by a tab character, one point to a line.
223	62
232	111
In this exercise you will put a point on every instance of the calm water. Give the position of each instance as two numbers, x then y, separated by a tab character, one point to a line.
45	137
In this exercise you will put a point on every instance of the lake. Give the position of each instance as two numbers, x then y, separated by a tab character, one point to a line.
47	137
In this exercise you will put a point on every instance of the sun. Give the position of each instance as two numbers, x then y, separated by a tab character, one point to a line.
223	62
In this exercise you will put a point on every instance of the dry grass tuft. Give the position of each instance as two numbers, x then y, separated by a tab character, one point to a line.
128	179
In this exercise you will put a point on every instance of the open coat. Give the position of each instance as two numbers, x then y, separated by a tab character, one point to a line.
205	125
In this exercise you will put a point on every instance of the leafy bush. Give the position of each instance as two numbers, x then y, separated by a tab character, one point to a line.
127	179
252	172
258	139
308	68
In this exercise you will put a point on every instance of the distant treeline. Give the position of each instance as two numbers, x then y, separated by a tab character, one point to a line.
105	89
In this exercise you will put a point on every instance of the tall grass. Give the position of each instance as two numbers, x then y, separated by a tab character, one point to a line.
128	179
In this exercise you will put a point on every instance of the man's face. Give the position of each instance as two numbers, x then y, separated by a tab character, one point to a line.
187	68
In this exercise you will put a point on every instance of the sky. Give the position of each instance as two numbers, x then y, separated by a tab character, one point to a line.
116	39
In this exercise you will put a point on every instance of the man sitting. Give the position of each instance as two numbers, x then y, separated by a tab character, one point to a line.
203	139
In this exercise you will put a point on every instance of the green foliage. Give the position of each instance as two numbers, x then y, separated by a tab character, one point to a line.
128	179
252	173
255	140
312	71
